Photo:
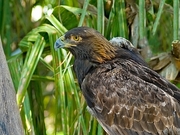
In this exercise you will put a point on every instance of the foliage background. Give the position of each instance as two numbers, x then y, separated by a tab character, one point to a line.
48	95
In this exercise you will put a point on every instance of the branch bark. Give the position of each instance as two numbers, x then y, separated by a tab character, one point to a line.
10	121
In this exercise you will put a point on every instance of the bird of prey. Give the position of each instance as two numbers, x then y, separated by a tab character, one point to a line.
122	93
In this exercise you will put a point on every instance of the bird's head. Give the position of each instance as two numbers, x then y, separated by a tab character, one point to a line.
86	43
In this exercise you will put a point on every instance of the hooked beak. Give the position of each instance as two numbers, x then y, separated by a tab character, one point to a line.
59	43
63	43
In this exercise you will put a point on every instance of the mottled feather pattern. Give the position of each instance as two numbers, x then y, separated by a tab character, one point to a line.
122	93
127	103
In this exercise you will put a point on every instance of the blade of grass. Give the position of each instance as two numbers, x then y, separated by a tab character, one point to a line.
108	30
176	19
30	64
73	88
122	31
36	102
94	128
5	26
156	23
83	12
100	130
141	19
56	23
61	94
28	116
100	16
15	65
59	86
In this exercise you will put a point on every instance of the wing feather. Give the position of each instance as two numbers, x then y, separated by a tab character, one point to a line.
129	98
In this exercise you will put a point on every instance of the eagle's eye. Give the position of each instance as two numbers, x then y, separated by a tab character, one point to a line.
75	38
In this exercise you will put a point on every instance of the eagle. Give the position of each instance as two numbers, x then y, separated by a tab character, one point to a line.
121	91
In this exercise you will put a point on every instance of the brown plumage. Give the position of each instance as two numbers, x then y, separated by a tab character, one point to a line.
122	93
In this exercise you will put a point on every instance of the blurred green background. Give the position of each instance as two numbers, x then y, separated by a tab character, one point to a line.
48	95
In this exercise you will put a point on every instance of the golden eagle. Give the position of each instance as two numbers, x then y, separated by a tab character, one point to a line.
122	93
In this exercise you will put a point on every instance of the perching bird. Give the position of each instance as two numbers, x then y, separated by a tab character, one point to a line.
122	93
